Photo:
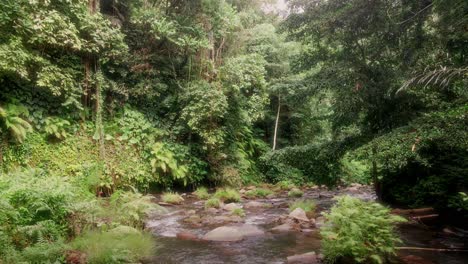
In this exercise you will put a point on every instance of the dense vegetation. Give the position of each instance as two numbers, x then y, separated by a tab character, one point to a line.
113	98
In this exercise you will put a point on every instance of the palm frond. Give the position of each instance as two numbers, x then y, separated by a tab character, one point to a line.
441	77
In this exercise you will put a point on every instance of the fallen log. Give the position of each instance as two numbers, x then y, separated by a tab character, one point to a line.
434	249
425	217
417	211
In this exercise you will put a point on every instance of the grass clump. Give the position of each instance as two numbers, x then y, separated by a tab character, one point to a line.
172	198
238	211
213	203
307	205
258	193
202	193
115	247
361	231
228	195
285	185
295	193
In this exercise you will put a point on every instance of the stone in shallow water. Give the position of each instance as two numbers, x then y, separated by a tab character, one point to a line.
299	214
224	234
233	233
231	206
186	235
287	227
309	258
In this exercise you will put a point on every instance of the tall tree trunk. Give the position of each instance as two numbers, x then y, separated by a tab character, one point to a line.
277	122
89	62
375	177
92	71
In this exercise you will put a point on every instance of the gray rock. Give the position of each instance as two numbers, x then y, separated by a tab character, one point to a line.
231	206
233	233
307	258
224	233
299	214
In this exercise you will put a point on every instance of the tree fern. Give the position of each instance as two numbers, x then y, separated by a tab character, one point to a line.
11	118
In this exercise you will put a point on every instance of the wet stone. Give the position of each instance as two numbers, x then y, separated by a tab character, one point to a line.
299	214
186	235
307	258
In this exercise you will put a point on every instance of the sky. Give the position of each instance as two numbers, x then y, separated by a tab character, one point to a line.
279	7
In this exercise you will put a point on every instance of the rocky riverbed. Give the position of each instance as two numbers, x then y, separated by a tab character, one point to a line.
270	233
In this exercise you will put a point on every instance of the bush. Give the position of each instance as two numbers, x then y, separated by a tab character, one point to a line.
295	193
358	230
258	193
172	198
202	193
115	247
227	195
213	203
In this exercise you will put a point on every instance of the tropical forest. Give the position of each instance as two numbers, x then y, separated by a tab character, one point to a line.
233	131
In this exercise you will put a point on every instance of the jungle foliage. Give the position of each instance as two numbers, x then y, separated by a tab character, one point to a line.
106	99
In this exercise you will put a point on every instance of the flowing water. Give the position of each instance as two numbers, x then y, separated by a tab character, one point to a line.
272	247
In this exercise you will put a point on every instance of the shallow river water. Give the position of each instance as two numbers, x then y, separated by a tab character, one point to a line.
274	247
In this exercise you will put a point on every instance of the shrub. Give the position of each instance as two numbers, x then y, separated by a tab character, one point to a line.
258	193
307	205
227	195
44	253
172	198
34	212
213	203
239	212
295	193
202	193
129	208
359	230
115	247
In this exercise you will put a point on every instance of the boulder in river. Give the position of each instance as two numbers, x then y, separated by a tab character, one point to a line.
231	206
307	258
299	214
233	233
224	234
